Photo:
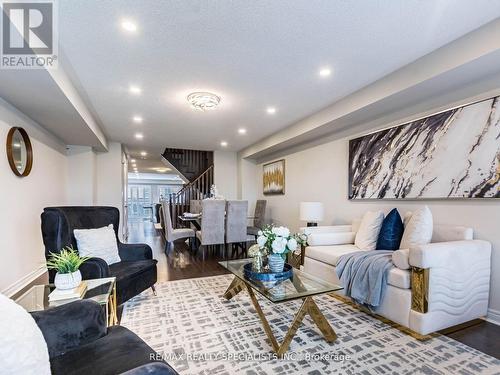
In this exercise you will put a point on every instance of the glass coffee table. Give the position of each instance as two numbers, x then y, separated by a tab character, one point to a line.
102	291
300	286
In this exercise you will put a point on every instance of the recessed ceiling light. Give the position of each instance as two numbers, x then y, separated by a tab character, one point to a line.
325	72
242	131
139	135
223	144
144	153
136	90
132	160
137	119
203	101
271	110
129	26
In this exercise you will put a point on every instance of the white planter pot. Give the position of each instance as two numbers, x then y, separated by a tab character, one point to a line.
64	281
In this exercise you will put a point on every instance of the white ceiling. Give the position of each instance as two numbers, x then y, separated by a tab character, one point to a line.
253	54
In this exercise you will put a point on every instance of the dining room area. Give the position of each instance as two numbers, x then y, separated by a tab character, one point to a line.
189	242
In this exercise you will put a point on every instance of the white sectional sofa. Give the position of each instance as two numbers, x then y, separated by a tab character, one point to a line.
434	286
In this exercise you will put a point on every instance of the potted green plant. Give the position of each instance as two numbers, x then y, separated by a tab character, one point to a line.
67	264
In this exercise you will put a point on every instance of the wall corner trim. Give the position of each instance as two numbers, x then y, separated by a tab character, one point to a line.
493	316
24	281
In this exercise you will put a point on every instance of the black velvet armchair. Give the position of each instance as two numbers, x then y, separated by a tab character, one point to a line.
79	343
135	273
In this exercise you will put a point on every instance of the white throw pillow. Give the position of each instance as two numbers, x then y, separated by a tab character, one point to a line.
23	349
369	228
99	243
418	230
407	218
401	259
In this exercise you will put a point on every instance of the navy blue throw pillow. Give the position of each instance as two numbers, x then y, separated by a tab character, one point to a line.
391	232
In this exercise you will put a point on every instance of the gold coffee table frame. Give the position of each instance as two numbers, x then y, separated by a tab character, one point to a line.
308	305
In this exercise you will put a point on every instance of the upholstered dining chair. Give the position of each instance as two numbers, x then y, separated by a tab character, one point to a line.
212	223
195	206
259	217
236	225
172	234
135	272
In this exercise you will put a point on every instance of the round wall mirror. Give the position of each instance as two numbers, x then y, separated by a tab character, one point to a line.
19	152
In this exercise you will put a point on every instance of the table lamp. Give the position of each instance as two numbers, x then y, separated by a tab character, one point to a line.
311	212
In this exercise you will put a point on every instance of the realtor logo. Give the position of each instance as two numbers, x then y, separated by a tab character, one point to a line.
28	34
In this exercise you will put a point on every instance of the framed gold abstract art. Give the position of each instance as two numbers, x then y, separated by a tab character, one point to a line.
273	176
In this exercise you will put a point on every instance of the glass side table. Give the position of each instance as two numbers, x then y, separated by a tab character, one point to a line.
102	291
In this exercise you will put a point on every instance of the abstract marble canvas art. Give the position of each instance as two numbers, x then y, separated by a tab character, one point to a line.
452	154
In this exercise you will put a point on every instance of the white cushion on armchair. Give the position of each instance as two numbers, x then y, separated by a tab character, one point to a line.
23	349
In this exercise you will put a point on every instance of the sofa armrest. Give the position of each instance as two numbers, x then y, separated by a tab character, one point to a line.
449	254
154	368
449	279
333	238
132	252
69	326
94	268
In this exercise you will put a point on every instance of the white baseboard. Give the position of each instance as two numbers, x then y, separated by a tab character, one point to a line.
20	284
493	316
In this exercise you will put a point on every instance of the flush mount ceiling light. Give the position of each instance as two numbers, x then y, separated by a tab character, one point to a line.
203	101
137	119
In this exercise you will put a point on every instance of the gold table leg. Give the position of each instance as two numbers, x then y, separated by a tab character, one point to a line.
308	307
112	310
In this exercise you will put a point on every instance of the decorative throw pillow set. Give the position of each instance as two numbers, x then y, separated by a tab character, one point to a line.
392	233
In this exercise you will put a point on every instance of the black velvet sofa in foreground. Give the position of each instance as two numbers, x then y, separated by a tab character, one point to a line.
135	273
79	343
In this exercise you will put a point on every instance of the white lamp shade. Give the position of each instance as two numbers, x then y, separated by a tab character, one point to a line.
311	211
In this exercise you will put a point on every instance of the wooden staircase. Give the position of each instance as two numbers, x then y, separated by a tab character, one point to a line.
198	168
190	163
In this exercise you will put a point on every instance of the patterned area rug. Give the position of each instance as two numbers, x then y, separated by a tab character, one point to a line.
199	332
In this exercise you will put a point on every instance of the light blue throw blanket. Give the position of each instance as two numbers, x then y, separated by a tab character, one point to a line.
364	275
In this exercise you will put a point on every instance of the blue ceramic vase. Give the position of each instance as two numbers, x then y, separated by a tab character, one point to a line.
276	263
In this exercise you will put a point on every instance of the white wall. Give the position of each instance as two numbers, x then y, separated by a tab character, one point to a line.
320	173
22	201
96	178
249	182
82	177
226	173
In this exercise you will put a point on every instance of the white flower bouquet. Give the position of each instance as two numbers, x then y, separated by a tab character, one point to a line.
279	240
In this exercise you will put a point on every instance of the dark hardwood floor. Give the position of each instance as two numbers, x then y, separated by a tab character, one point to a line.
180	262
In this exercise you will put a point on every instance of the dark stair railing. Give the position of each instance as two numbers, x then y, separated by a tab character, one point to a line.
199	189
191	163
